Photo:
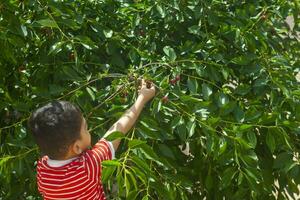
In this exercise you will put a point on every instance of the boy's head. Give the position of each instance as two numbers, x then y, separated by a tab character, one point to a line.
60	130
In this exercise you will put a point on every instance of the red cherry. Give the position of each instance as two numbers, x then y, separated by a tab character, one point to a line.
173	81
21	68
46	31
264	17
7	113
131	78
177	78
273	31
142	33
165	99
124	94
72	56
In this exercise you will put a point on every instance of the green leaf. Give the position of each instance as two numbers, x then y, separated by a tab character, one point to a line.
156	106
135	143
110	163
239	114
149	153
108	33
251	174
55	89
160	10
117	60
142	164
240	178
245	127
227	176
48	23
244	59
270	140
127	183
145	132
194	29
244	144
282	160
251	136
145	198
115	135
222	100
249	158
91	93
206	90
192	85
132	177
242	89
176	121
107	172
56	48
252	178
133	194
208	182
70	73
169	51
223	146
166	151
181	130
86	42
24	30
71	23
191	125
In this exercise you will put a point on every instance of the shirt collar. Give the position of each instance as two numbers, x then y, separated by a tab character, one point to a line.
59	163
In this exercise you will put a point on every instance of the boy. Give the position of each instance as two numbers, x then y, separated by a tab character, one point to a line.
68	169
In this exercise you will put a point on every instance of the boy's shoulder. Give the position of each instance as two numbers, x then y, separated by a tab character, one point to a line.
102	150
46	163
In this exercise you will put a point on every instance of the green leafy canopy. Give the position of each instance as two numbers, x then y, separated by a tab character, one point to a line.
227	126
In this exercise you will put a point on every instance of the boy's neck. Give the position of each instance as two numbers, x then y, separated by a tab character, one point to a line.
70	156
67	157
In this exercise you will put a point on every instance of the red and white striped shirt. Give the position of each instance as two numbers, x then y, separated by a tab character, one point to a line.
76	178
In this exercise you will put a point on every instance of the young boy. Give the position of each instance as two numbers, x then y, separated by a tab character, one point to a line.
69	169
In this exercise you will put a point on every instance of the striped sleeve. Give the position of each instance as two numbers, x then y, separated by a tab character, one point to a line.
102	150
38	176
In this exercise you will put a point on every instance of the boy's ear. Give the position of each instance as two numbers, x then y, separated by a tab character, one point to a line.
76	147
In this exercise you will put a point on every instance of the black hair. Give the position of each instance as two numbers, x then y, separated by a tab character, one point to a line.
55	127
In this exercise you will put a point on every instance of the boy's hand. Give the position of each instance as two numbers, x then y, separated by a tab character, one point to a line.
147	91
126	122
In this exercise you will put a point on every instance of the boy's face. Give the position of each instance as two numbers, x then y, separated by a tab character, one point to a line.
85	136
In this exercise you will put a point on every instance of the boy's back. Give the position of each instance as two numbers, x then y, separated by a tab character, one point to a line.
61	132
76	178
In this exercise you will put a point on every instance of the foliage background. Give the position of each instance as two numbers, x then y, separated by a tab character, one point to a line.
235	109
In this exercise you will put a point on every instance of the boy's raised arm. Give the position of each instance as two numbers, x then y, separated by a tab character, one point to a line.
128	119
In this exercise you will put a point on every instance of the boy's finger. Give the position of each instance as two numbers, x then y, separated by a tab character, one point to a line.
143	82
153	88
139	82
149	84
